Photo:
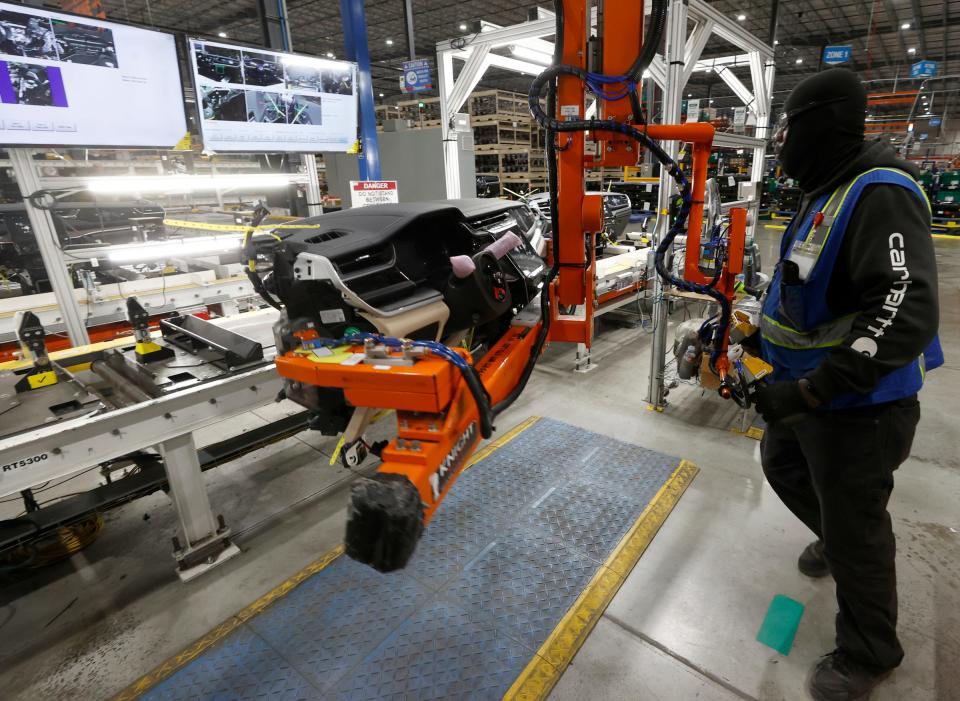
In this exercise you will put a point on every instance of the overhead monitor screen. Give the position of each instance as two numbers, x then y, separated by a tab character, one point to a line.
258	100
79	81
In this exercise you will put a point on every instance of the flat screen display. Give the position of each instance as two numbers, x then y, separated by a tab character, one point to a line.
79	81
259	100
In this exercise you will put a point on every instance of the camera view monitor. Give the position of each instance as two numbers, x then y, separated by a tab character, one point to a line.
79	81
259	100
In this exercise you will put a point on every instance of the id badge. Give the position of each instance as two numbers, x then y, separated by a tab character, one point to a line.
804	256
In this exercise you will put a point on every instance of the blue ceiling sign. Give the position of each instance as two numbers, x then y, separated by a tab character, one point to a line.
833	55
923	69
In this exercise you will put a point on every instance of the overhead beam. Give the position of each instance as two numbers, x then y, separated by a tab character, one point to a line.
892	14
919	25
408	26
694	47
727	29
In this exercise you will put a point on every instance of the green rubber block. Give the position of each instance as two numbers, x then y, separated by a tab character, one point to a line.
780	625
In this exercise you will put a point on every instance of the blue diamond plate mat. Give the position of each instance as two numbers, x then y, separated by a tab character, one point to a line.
515	543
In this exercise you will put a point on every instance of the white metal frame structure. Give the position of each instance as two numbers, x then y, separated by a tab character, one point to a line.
670	73
66	448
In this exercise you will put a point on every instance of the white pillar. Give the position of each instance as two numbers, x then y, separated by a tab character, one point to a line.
673	92
45	231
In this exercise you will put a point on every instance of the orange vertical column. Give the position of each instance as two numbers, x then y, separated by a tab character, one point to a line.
570	97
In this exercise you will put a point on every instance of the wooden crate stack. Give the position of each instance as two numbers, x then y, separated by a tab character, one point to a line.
503	134
423	117
385	112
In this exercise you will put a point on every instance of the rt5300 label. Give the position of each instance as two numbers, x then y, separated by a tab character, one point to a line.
11	466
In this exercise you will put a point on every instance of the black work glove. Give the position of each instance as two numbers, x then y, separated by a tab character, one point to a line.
782	400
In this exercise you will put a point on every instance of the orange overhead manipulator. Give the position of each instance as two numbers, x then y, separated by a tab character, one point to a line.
447	397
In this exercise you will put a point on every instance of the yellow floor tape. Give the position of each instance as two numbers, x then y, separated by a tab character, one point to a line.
546	667
544	670
195	649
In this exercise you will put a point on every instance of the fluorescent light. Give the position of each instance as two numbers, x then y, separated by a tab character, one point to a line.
776	42
905	25
741	17
389	42
330	54
222	35
799	61
711	102
381	94
160	250
912	50
529	54
689	94
463	27
190	183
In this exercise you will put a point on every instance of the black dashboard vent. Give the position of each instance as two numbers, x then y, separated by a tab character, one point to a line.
325	236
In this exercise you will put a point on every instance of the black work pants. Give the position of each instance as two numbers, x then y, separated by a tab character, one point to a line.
834	471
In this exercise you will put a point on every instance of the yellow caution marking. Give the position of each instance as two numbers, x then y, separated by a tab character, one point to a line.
543	671
336	451
185	144
754	432
42	379
146	347
778	227
205	226
949	237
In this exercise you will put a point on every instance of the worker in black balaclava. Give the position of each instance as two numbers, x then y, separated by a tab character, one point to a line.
849	325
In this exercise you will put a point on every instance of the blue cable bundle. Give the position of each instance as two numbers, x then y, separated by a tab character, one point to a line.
597	81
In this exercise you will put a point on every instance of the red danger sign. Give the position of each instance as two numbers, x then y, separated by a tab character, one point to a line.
364	193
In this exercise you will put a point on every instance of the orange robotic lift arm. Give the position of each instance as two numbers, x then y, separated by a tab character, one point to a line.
445	404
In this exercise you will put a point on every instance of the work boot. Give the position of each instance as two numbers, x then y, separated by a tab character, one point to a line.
812	562
838	677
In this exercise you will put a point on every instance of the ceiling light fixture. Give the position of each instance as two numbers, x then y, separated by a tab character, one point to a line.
776	42
190	183
905	25
381	94
176	248
798	61
463	27
329	54
912	50
389	42
741	17
222	35
528	54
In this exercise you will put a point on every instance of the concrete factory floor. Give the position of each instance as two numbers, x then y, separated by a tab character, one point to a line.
684	624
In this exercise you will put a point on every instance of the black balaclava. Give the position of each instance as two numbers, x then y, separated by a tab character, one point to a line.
825	117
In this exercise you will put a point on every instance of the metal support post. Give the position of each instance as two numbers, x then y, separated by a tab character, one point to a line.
276	35
207	542
355	42
45	231
314	196
408	25
672	94
273	24
451	153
